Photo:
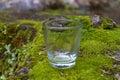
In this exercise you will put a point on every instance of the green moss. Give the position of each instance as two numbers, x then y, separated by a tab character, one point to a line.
108	24
5	17
35	47
29	22
95	43
108	36
97	38
84	20
88	67
93	47
13	42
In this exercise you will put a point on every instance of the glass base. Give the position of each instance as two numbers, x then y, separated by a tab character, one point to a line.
62	65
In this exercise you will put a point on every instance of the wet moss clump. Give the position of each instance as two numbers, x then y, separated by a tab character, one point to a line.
25	41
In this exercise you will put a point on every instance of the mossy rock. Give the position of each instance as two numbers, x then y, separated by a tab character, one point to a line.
91	61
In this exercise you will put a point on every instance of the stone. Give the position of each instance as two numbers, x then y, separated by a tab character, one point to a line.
23	70
115	55
43	4
117	76
96	20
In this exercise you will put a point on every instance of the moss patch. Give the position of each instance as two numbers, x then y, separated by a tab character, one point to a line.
95	43
87	67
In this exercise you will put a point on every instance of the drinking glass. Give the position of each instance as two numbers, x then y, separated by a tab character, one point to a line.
62	40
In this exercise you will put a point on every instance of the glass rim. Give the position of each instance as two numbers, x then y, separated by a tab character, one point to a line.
79	24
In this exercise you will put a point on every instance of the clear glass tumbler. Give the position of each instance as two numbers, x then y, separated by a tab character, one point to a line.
62	39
